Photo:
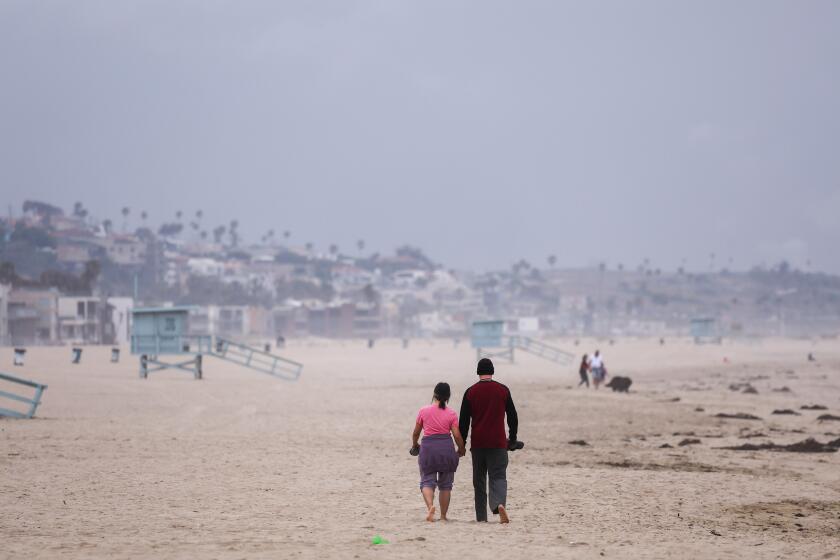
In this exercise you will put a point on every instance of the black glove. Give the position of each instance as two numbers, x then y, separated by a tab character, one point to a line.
414	451
513	445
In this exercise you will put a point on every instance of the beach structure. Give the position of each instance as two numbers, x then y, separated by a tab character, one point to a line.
19	356
30	403
164	331
490	341
253	358
490	335
704	331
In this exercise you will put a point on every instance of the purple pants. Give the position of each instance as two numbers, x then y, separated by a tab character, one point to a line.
438	462
441	480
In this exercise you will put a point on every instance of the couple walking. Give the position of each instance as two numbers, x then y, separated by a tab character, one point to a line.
596	365
484	407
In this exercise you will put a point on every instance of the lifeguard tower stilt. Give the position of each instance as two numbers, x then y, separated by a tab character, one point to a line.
161	331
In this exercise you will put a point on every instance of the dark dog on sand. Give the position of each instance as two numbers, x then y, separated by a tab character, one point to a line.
620	384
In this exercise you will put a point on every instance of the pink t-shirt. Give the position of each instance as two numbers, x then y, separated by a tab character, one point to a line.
436	420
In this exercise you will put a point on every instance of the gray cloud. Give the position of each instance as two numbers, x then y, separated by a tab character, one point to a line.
483	131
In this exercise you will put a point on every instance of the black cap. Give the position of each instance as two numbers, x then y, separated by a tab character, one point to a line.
485	367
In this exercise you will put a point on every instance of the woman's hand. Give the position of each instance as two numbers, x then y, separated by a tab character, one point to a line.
459	441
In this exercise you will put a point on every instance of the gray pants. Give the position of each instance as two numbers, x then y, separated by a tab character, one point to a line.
490	463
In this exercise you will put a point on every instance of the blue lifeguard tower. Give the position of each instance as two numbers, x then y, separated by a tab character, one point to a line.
490	334
163	331
704	330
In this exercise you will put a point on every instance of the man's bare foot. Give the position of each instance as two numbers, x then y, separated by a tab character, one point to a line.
431	516
503	516
443	518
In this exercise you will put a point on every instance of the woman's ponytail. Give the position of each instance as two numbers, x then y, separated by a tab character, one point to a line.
442	394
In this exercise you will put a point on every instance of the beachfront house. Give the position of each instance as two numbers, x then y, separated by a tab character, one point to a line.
80	319
33	316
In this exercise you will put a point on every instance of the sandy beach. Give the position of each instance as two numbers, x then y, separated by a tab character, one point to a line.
242	465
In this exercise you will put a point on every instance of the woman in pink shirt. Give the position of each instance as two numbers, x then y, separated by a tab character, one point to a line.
438	458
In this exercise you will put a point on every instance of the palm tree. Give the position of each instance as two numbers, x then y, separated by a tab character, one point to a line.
287	234
309	246
108	226
552	260
233	233
333	249
125	212
360	244
143	216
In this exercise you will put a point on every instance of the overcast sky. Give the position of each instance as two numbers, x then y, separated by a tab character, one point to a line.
483	132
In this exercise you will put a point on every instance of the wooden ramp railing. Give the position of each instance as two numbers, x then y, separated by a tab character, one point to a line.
265	362
30	402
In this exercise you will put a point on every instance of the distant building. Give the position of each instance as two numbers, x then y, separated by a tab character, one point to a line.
4	314
344	320
94	320
76	251
120	308
80	319
125	250
232	320
33	316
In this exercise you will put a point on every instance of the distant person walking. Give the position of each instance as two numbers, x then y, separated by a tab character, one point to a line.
584	371
438	459
484	406
596	366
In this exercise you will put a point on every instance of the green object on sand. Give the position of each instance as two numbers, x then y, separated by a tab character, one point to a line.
378	540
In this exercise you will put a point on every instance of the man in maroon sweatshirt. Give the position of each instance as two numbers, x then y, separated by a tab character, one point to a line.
487	403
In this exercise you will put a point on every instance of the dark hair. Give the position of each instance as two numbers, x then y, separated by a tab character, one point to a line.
442	393
485	367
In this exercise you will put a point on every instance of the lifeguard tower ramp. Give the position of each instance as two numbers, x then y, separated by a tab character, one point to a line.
542	350
259	360
30	403
162	331
489	340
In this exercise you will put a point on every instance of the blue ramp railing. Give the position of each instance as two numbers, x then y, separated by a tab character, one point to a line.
258	360
30	402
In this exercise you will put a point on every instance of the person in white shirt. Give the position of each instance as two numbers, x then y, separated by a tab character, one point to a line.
596	366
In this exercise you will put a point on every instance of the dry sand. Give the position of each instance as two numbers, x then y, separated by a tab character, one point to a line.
241	465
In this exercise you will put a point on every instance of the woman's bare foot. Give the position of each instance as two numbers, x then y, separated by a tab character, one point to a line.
431	516
503	516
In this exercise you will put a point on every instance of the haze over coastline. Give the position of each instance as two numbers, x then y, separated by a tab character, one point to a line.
651	130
